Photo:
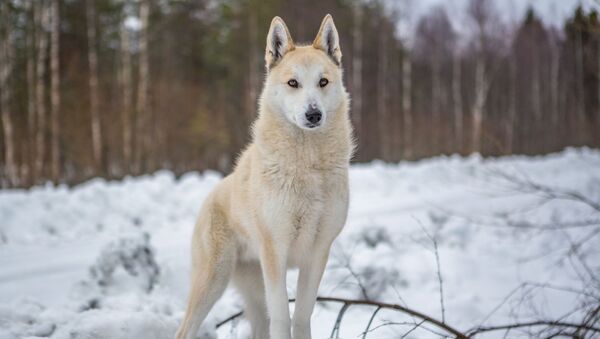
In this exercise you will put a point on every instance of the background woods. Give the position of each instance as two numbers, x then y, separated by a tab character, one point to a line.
115	87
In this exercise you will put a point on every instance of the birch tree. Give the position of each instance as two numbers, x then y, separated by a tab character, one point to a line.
457	99
142	109
92	55
126	86
480	14
407	82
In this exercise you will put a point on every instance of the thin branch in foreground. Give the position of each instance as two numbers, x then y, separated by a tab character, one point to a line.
433	240
350	302
483	329
526	185
367	330
335	333
443	326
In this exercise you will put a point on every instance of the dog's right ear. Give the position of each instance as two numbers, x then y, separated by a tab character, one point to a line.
279	42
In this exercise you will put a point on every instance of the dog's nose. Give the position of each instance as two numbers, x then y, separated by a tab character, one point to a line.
314	116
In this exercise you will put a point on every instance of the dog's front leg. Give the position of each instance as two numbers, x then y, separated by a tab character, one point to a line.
311	272
273	260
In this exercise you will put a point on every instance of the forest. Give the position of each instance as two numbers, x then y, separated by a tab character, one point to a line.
121	87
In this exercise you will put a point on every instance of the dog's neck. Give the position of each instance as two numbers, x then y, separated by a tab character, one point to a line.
281	142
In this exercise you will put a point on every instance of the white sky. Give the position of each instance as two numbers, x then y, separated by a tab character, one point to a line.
553	12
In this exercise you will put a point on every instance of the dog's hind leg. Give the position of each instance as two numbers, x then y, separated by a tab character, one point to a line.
213	258
248	280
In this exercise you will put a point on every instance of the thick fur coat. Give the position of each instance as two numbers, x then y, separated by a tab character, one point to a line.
286	200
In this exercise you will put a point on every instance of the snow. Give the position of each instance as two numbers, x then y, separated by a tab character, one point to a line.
110	259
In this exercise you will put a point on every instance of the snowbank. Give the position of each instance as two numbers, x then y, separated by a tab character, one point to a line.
67	268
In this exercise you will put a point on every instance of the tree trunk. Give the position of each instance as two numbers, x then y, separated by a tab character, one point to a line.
554	84
555	97
457	101
253	66
580	85
382	70
30	55
407	104
536	95
6	65
43	18
436	94
55	89
357	42
597	137
127	92
478	104
512	105
142	111
96	126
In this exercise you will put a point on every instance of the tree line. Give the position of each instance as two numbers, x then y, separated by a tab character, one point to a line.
116	87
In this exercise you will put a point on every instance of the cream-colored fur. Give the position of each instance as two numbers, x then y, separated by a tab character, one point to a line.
286	200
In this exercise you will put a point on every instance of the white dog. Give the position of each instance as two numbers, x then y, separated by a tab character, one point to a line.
286	200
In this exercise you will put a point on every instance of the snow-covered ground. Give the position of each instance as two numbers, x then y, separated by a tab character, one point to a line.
111	259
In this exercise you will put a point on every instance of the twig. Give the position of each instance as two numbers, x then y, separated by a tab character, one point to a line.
412	329
228	319
338	322
438	267
526	185
370	322
483	329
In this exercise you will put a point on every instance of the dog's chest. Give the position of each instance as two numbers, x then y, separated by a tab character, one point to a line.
304	198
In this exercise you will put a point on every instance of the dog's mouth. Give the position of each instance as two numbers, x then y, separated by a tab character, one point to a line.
312	125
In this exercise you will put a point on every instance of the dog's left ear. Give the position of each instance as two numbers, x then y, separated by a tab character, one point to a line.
328	40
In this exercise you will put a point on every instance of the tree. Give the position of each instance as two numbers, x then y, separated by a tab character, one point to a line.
42	16
581	48
126	86
457	99
142	108
357	43
480	12
55	89
382	88
435	43
531	70
6	68
92	54
29	165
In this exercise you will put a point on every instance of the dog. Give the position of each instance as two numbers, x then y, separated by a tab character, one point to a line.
287	198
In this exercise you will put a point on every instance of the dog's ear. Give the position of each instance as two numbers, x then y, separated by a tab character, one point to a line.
328	40
279	42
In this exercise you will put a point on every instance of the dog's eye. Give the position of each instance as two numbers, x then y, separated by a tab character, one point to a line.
293	83
323	82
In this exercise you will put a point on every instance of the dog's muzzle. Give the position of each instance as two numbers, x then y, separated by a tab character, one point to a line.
313	117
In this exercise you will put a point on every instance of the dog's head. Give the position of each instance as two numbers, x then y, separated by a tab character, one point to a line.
304	83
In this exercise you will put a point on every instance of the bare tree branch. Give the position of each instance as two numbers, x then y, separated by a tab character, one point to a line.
335	332
367	330
483	329
350	302
433	240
